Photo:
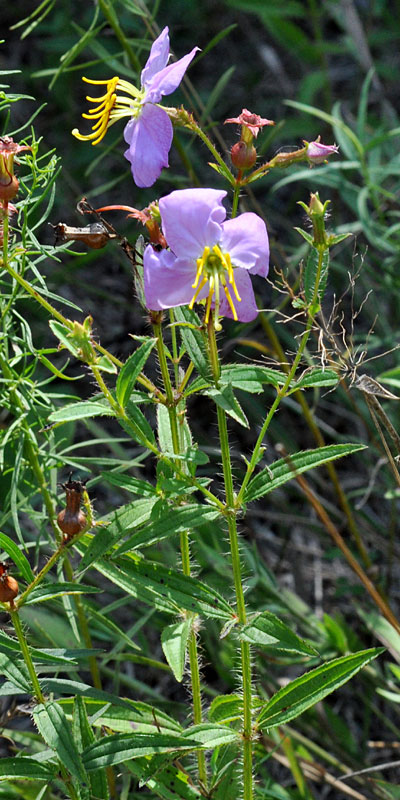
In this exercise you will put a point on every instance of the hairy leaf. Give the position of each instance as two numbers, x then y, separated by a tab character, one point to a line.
302	693
282	471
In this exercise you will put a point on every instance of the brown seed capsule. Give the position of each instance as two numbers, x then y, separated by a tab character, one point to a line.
8	585
71	519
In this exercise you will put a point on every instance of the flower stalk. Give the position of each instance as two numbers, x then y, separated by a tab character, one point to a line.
16	621
184	542
231	507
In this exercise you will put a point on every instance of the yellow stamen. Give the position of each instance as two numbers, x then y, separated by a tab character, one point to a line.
196	294
109	107
230	301
215	267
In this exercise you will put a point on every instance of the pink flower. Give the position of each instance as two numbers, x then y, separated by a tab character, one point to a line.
210	258
317	153
251	121
149	130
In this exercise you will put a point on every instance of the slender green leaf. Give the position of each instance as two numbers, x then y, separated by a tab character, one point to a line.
165	588
315	378
66	686
16	672
20	560
84	736
129	483
120	747
131	371
210	735
302	693
281	471
51	590
174	641
137	425
53	725
168	522
63	334
224	398
226	708
269	632
133	715
236	374
193	340
81	410
123	520
26	769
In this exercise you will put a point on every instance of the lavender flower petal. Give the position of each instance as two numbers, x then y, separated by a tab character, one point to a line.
245	238
167	280
191	220
157	60
168	79
246	309
149	138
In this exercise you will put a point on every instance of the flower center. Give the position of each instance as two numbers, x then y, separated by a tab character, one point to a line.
110	107
215	268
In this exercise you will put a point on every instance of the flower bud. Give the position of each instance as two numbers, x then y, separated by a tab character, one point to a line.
318	153
8	182
8	585
243	155
72	520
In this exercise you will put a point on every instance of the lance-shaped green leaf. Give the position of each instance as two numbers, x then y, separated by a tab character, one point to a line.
137	425
282	471
120	747
269	632
315	378
84	736
54	727
81	410
174	641
170	521
165	588
66	686
125	519
26	769
133	716
20	560
129	483
302	693
224	398
316	270
52	590
193	340
131	371
226	708
249	376
16	671
209	735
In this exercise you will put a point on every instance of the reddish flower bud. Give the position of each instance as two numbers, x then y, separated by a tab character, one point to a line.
8	182
243	155
72	520
8	586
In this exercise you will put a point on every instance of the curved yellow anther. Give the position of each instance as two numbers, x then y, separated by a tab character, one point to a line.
103	111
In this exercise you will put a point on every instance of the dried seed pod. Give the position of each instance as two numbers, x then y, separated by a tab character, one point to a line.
71	519
8	585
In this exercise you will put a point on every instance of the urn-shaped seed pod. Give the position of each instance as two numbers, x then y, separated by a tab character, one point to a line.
71	519
8	585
